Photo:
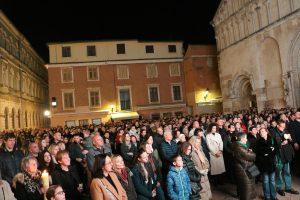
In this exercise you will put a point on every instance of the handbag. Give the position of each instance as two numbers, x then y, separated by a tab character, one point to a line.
287	153
252	171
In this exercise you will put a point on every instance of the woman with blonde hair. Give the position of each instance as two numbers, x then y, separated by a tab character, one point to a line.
202	165
124	175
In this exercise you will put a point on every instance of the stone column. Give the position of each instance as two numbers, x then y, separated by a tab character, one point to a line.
261	98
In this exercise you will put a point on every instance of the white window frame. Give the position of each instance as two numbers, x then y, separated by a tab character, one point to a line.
158	93
176	84
119	99
87	73
63	98
89	95
147	71
127	68
170	71
62	76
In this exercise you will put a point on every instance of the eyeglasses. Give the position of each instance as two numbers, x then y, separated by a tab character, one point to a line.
59	193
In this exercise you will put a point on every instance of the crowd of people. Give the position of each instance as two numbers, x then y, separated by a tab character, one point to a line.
176	158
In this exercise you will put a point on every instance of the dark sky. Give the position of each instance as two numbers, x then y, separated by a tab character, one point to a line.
43	21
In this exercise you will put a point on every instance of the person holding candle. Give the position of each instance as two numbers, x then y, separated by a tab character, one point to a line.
27	184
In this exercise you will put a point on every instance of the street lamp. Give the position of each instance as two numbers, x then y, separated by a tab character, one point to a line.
47	113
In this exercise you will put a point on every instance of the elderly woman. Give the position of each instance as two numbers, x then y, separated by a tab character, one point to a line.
125	176
27	184
202	165
55	192
243	159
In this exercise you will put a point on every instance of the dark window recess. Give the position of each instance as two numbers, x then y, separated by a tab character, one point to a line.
120	48
149	49
172	48
66	51
91	50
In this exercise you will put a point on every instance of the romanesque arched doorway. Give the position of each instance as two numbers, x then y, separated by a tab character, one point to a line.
243	93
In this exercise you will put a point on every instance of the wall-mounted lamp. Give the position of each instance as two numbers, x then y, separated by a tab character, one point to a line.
53	102
112	108
206	94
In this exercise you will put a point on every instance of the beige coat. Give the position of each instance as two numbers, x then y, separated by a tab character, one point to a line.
101	189
215	144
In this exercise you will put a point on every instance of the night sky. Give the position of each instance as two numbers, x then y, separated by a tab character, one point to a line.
43	21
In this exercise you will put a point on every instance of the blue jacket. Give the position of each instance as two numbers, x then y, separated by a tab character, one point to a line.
168	150
178	184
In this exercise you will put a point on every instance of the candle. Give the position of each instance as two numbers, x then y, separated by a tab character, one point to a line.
45	179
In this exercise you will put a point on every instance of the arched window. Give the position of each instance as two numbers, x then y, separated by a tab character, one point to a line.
26	119
13	118
6	117
19	118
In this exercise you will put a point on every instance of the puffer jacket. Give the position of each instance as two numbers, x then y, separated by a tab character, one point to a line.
243	158
194	175
178	184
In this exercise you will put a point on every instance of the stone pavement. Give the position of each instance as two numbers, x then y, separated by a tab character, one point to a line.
227	191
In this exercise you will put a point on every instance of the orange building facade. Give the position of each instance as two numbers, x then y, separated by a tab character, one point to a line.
202	86
93	82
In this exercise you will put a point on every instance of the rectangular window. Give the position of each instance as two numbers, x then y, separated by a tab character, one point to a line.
83	122
91	50
125	101
93	73
68	100
67	75
122	72
121	49
172	48
155	116
96	121
149	49
66	51
176	92
174	69
151	71
94	96
153	92
70	123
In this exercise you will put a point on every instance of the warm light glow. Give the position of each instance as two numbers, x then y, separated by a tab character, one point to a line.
53	103
47	113
206	94
112	108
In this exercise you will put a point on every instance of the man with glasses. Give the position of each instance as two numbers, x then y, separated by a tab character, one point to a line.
284	157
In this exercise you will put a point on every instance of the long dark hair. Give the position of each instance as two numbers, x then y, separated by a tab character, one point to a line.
42	163
98	165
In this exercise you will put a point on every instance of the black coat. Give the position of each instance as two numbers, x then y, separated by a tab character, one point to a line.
243	158
265	155
69	180
128	159
22	194
194	175
10	164
252	141
128	185
294	130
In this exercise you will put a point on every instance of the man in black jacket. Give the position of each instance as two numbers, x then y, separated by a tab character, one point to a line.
283	175
294	130
10	158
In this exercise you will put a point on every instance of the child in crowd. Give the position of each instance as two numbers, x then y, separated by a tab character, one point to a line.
178	181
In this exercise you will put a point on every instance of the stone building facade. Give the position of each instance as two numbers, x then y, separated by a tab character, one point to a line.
202	85
94	81
258	44
23	80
